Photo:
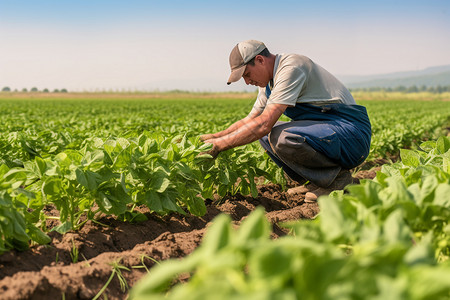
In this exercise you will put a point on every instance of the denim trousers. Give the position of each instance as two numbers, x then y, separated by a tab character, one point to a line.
288	148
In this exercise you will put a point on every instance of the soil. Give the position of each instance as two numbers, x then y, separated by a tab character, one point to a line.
54	271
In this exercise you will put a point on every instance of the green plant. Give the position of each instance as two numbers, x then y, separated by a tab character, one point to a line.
116	270
143	265
74	252
116	155
383	238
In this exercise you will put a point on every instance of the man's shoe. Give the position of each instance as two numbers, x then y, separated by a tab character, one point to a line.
301	189
343	179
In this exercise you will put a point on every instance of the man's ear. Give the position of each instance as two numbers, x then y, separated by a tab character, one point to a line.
259	59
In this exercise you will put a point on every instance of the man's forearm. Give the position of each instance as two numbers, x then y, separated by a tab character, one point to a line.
233	127
245	132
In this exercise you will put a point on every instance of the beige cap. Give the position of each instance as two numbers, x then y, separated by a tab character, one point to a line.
241	54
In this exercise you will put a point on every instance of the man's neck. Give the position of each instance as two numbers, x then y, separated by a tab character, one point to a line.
271	60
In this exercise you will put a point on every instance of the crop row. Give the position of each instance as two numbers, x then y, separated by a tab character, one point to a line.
384	239
45	127
87	158
114	176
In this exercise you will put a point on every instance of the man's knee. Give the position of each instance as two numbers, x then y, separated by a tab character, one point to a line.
275	136
285	144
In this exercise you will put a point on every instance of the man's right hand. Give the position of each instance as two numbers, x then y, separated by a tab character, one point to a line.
206	137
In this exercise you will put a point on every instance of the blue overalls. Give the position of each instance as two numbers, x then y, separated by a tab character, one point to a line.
319	141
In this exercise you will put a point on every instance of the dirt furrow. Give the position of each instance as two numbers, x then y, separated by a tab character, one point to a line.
58	271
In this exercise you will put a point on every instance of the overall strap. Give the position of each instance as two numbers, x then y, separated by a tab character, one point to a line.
269	89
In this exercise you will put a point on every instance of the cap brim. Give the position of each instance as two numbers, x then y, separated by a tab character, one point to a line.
236	74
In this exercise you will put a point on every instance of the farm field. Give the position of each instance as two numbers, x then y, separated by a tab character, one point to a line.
97	189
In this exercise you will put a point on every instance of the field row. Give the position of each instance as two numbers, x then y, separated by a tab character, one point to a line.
385	239
89	158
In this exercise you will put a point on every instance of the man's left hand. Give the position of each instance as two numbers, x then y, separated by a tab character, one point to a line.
214	151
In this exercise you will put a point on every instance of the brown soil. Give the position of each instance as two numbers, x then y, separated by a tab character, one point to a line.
49	272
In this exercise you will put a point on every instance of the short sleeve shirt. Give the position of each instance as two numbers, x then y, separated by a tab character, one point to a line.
297	79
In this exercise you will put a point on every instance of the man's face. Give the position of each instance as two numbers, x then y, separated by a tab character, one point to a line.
258	74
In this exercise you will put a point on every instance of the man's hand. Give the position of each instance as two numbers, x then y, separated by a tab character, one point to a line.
213	152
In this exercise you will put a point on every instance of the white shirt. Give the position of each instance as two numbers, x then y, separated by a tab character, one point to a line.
297	79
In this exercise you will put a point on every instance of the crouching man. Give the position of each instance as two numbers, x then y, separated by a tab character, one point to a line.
328	133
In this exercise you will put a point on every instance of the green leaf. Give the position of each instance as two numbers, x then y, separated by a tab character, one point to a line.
20	244
159	181
104	202
218	235
397	191
254	228
122	160
208	192
161	277
222	190
41	165
442	195
272	266
168	203
88	179
224	177
333	222
251	179
133	217
52	187
395	229
430	282
197	206
63	228
153	201
410	157
81	178
428	186
245	187
92	179
37	235
422	253
253	189
94	157
367	192
428	145
443	144
123	183
113	199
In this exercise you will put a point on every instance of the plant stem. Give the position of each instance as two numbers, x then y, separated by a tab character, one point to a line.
106	285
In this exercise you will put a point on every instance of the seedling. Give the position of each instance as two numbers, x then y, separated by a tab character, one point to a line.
116	270
74	252
143	257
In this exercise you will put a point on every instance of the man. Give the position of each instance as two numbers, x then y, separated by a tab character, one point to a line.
328	133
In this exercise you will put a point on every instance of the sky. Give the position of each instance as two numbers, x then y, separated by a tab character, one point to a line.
165	45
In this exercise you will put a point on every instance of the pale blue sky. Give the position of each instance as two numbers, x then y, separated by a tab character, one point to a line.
148	45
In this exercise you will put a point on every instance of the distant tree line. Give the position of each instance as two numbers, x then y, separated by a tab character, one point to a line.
411	89
33	90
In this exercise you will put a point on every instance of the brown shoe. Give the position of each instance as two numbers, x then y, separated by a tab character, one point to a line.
298	190
343	179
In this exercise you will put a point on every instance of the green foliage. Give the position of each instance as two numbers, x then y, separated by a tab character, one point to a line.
303	266
383	239
406	89
85	164
93	156
401	124
17	226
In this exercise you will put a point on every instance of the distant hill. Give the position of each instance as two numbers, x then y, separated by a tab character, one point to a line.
429	77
